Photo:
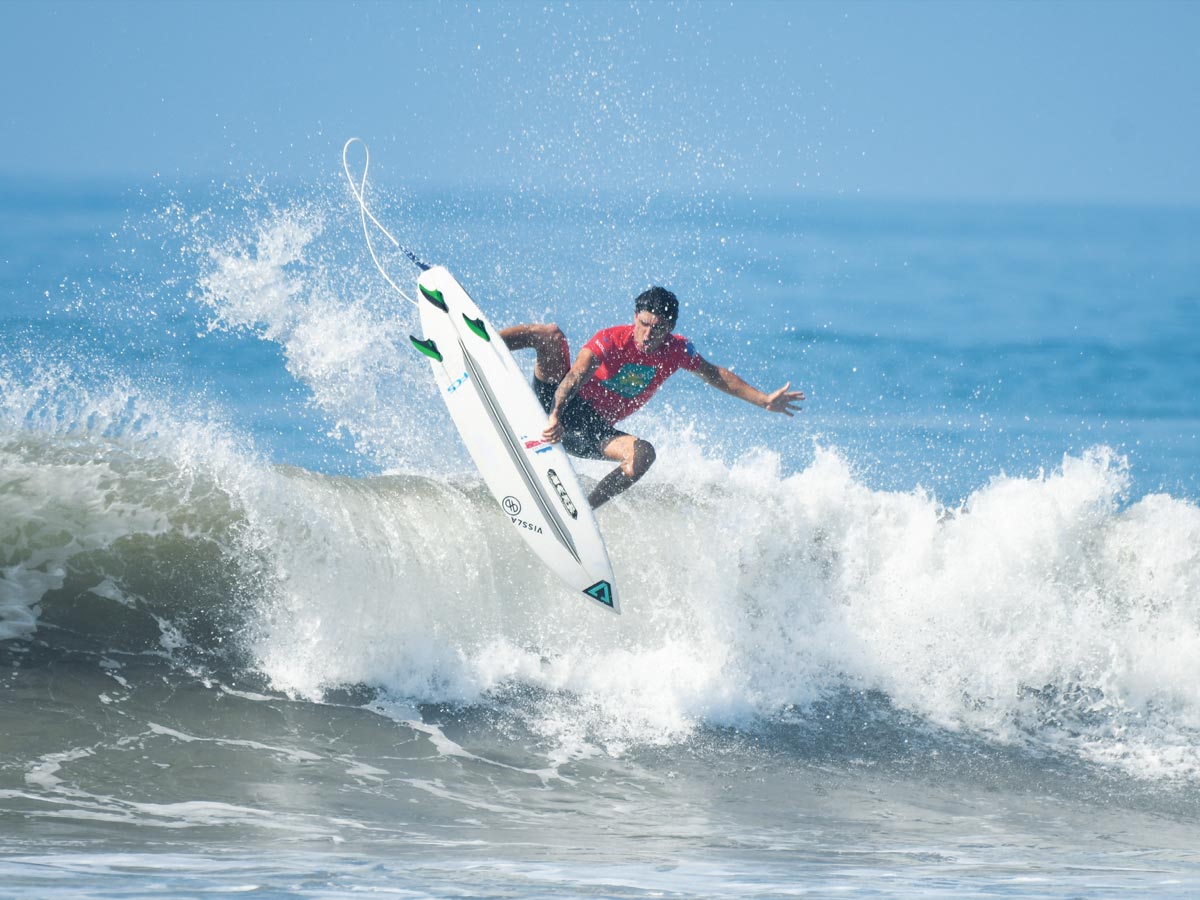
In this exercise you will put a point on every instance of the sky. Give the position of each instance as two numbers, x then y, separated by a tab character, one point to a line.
1078	102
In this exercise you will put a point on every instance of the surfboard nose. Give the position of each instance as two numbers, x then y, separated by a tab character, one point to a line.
603	592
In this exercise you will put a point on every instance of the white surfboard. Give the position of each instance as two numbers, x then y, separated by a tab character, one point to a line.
501	423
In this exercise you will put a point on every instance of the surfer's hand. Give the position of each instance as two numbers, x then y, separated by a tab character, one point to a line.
784	401
554	431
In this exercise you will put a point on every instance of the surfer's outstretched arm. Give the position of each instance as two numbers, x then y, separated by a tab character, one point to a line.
780	401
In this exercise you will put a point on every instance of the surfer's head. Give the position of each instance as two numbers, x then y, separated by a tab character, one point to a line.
654	316
659	301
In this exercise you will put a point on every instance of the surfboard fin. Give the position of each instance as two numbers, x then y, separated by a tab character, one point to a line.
428	347
477	326
434	297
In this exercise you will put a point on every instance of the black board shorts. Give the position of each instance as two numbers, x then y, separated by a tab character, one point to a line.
585	434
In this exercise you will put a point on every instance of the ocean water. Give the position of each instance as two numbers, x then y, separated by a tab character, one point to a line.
263	632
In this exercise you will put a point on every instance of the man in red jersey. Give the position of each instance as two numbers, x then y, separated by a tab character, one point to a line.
616	372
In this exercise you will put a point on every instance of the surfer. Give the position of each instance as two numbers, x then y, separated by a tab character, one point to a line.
616	372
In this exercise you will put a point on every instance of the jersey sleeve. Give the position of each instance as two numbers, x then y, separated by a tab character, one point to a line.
601	343
689	356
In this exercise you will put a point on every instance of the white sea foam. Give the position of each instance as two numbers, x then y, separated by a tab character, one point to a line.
288	753
347	347
44	772
1043	609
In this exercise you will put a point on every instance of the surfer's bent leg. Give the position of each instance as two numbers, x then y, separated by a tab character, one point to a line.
553	354
636	457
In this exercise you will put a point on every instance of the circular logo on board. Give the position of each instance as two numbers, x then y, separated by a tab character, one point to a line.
512	506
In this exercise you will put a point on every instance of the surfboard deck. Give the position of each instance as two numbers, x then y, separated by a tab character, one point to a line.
501	423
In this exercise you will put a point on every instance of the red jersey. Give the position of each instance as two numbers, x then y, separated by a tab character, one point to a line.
627	377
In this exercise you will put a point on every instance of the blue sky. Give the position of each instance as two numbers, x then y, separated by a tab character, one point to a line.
1068	101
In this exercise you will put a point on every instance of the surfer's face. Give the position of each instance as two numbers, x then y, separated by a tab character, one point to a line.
650	330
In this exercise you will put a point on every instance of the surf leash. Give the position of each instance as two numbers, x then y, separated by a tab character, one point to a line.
359	189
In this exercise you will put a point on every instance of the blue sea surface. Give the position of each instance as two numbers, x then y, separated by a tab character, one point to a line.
263	631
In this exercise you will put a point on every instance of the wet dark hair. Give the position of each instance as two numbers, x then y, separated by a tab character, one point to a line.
659	301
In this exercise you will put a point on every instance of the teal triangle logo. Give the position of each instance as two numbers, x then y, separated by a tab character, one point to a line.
601	591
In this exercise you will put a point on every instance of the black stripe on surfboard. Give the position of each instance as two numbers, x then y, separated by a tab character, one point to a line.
517	454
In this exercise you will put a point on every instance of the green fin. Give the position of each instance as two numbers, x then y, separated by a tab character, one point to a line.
429	348
477	326
434	297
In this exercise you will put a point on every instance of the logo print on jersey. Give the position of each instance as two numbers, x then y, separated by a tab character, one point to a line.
631	380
